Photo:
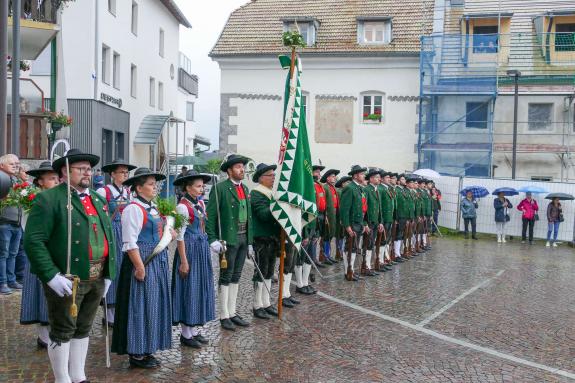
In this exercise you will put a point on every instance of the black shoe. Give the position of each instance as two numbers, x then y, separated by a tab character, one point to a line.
144	362
387	267
110	324
328	262
201	339
239	321
152	359
193	343
333	261
227	324
303	290
474	237
286	302
41	343
312	278
293	300
370	273
319	265
261	314
271	310
399	260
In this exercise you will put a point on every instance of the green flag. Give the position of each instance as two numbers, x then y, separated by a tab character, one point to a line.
294	194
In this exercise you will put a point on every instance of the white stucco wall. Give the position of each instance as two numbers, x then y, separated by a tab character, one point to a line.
389	145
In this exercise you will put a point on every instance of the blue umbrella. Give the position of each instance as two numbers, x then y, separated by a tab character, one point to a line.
533	189
506	191
478	191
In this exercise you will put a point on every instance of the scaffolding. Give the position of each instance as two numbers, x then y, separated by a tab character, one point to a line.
466	97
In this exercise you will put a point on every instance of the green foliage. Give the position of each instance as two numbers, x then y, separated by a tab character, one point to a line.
213	167
293	39
167	207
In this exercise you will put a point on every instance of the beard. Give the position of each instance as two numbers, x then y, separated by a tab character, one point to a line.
315	178
84	184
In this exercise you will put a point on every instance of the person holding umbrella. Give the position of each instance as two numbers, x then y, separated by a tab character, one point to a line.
529	208
469	208
501	205
554	218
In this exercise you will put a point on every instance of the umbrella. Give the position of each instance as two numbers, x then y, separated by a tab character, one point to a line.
533	189
506	191
478	191
561	196
189	160
427	173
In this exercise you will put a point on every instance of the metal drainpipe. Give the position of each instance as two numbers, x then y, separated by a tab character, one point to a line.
96	46
15	131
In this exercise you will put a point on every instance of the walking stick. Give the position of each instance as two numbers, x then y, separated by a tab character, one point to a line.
349	272
107	335
377	249
437	227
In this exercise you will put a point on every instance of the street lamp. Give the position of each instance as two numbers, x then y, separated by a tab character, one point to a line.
515	74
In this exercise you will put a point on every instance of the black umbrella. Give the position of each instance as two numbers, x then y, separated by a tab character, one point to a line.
561	196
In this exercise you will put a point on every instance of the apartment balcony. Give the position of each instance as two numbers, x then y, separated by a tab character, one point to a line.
188	82
38	26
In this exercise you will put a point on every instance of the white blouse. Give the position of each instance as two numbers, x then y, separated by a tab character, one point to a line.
132	221
125	192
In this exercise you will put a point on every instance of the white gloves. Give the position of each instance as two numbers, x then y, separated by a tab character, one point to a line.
61	285
107	283
251	250
216	247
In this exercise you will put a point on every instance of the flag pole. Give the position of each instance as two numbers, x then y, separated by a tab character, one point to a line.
281	272
283	233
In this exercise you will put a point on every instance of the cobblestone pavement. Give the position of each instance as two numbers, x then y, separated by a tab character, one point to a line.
468	311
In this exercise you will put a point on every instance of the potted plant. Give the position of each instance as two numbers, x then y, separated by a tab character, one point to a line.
376	117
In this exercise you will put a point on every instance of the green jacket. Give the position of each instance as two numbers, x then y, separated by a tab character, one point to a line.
351	205
264	223
418	210
388	202
331	212
229	207
427	211
46	235
404	203
373	204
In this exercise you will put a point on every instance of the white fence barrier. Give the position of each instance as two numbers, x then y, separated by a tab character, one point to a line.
450	215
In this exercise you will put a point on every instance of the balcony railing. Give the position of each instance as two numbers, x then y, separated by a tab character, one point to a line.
188	82
40	10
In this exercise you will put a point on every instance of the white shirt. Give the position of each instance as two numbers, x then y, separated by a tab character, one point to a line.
183	210
125	192
132	221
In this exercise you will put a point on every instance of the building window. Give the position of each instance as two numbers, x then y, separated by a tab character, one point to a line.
116	70
374	32
134	18
133	81
105	64
372	110
540	117
119	145
306	29
189	111
152	91
565	38
161	51
161	95
541	178
485	39
112	7
476	115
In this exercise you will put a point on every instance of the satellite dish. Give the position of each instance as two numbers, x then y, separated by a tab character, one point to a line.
5	184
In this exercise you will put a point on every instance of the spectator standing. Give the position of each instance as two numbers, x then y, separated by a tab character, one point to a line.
21	260
10	230
501	206
436	206
529	208
98	180
179	192
469	213
554	218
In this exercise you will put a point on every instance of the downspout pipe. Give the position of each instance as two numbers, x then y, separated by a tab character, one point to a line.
548	40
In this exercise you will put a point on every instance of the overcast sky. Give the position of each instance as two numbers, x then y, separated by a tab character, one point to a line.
207	19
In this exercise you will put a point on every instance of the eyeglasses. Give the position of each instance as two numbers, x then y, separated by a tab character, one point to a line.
83	169
122	172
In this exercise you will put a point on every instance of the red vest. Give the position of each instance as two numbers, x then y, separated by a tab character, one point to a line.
320	197
334	196
89	209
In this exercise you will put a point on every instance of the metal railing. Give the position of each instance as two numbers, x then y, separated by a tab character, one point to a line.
40	10
188	82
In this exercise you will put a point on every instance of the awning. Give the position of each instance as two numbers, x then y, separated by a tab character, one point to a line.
150	129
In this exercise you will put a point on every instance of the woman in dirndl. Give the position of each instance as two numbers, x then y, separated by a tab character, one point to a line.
118	196
143	310
193	297
33	309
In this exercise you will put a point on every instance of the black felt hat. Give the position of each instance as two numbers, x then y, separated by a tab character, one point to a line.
372	172
190	176
143	173
232	160
45	167
109	168
318	167
356	169
74	155
261	169
327	174
342	180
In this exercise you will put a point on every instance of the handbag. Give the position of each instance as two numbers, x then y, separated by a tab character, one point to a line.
561	218
507	218
536	217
